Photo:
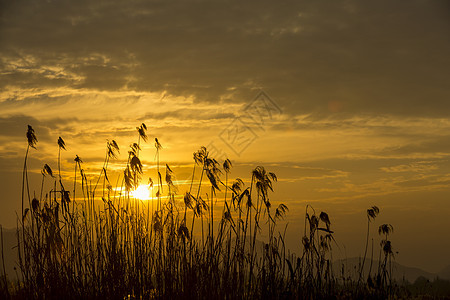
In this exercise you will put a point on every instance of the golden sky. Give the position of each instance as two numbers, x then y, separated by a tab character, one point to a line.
358	94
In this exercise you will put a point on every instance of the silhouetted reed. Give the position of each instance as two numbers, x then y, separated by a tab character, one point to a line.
108	244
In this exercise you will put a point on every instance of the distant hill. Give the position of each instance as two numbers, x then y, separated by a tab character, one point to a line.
399	272
445	273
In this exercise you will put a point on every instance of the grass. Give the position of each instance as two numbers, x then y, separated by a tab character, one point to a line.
100	242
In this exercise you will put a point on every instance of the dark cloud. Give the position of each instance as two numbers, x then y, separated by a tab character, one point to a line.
437	145
188	114
328	57
14	127
424	182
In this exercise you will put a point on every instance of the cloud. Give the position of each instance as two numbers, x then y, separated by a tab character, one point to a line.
200	113
417	167
15	126
325	59
300	173
426	182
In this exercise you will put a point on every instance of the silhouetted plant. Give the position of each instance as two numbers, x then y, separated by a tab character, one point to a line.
371	215
111	246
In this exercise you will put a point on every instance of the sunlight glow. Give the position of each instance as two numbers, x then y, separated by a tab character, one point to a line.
142	192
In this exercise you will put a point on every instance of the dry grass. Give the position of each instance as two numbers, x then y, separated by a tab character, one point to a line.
108	245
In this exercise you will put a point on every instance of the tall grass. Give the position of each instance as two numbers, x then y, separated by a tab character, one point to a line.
100	242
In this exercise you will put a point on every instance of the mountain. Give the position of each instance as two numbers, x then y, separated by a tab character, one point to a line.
444	273
400	272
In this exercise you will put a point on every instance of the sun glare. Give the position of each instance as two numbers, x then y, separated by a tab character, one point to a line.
141	192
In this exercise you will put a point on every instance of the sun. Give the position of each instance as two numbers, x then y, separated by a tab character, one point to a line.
141	192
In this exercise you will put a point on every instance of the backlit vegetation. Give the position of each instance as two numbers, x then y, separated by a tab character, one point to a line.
93	239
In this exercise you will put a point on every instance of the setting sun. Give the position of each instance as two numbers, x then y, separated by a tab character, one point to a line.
142	192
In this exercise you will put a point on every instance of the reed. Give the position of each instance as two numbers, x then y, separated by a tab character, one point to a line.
109	245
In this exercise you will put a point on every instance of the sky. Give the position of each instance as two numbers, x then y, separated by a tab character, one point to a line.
348	102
